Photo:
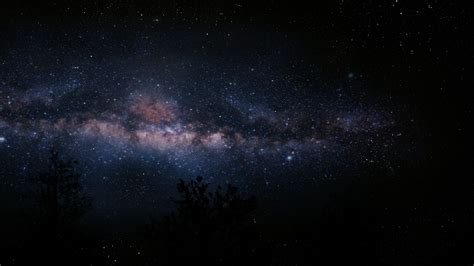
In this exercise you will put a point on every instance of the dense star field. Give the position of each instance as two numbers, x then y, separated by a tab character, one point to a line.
307	107
256	118
140	107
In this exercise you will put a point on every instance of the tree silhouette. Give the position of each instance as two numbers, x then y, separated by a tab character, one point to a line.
58	198
207	227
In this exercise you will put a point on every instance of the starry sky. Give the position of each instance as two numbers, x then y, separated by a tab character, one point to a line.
273	98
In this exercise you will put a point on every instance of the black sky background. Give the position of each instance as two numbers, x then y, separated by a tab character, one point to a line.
419	53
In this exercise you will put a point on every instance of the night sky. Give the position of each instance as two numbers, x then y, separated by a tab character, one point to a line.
275	98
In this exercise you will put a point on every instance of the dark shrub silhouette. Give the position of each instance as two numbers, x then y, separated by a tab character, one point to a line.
207	227
59	196
57	204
